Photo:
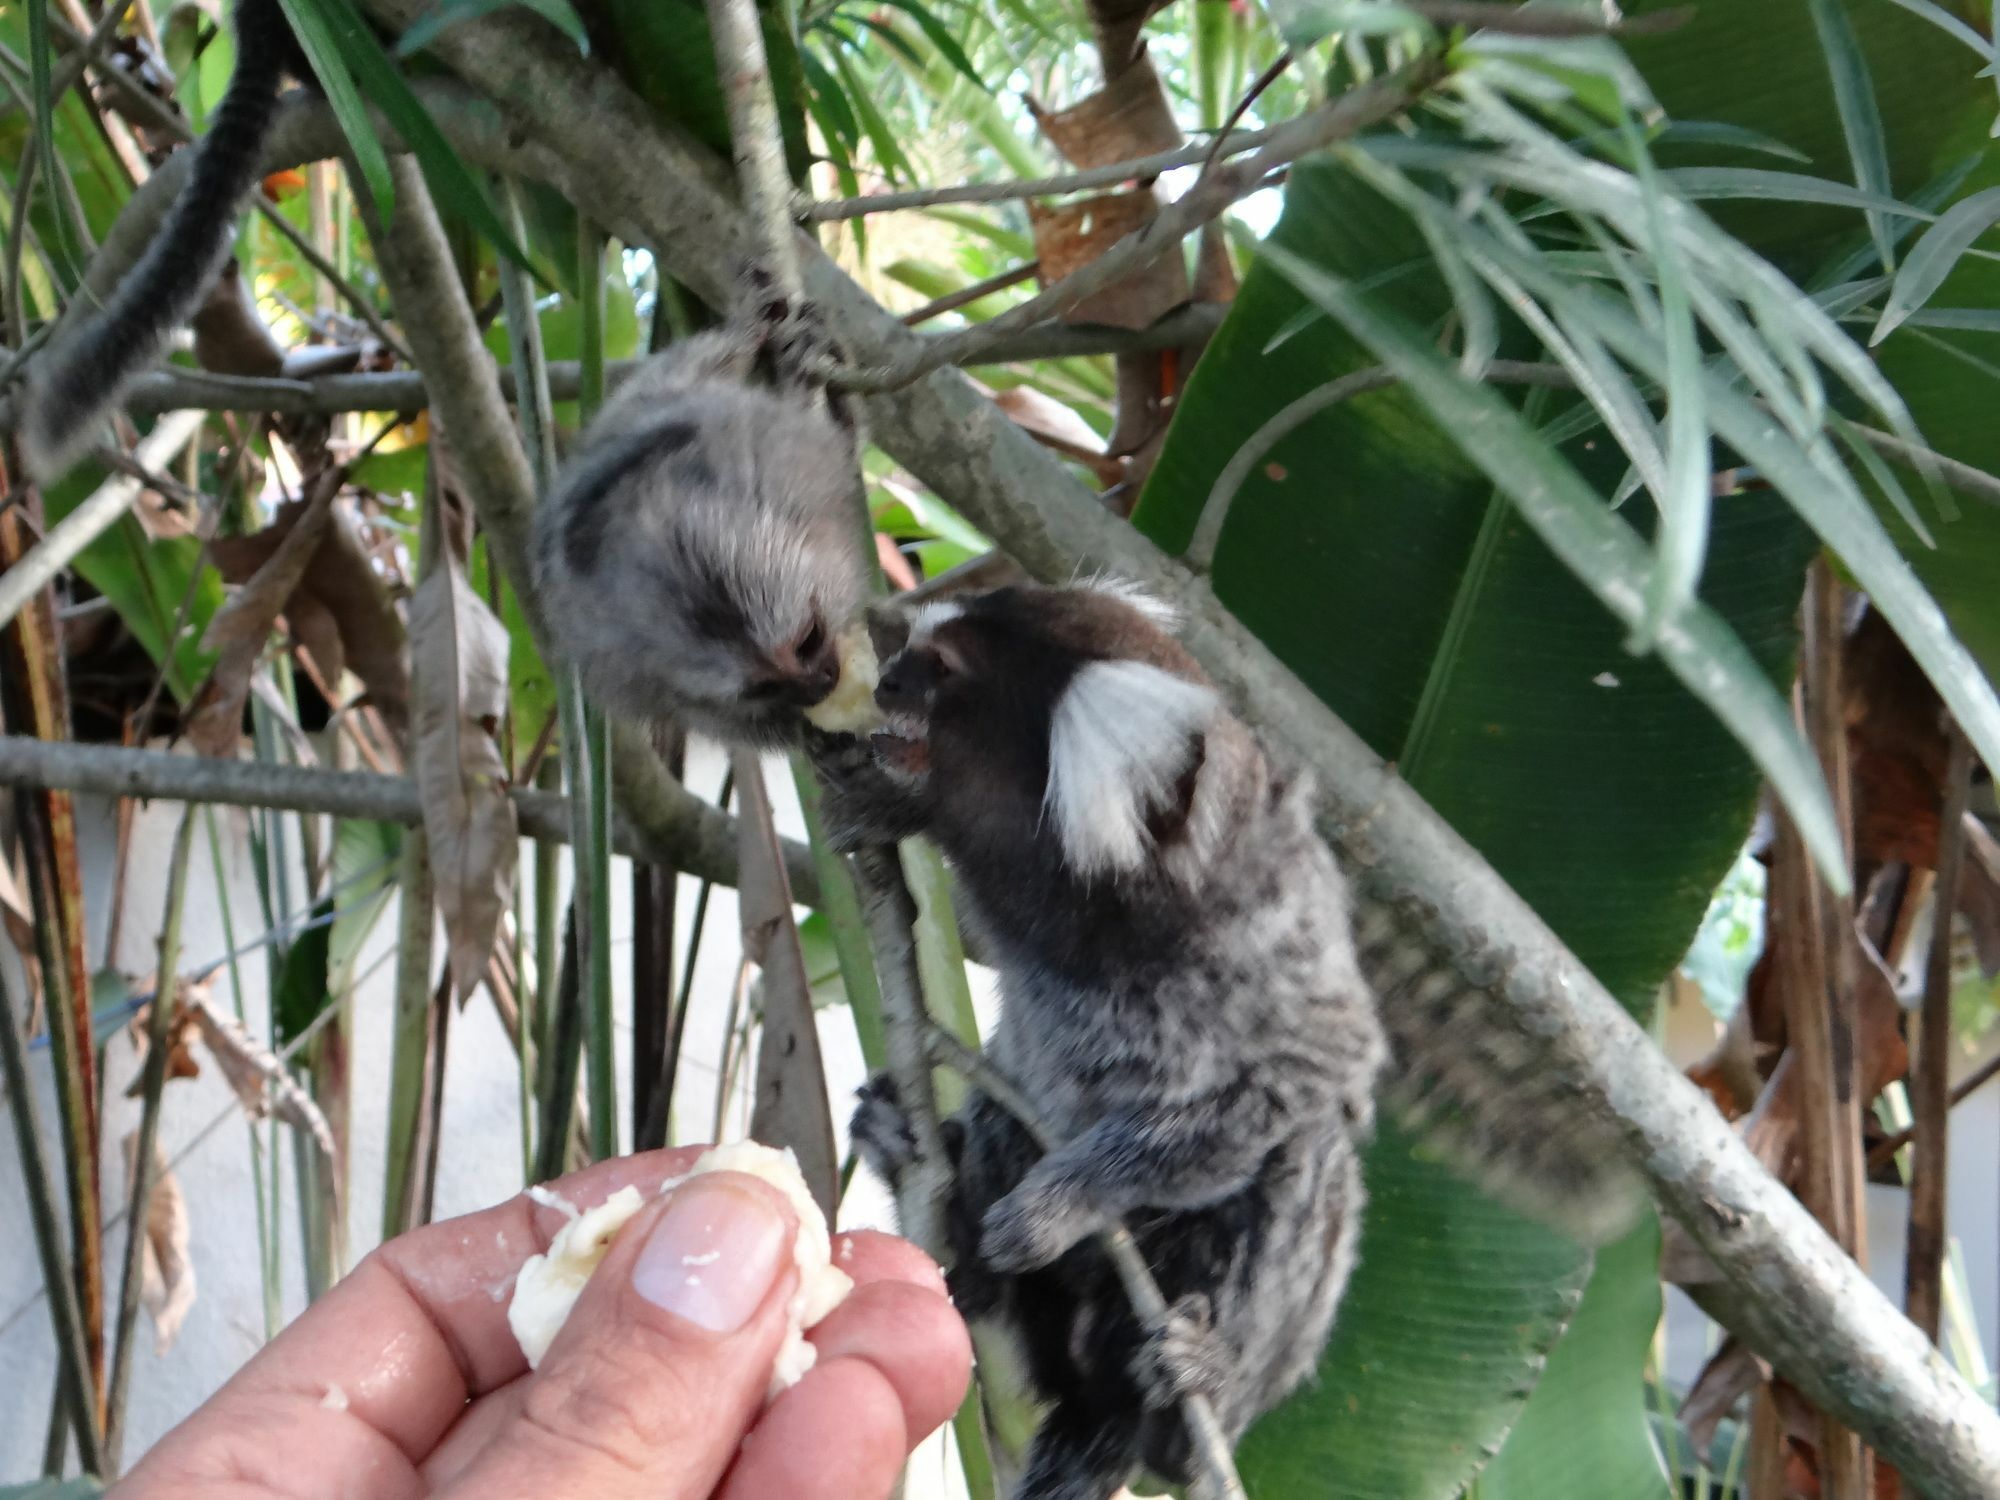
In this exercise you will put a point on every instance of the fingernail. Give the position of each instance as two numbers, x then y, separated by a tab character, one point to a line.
713	1255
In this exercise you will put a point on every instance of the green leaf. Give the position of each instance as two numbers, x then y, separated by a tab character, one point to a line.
888	151
455	187
1949	24
316	24
1860	116
1783	187
1459	647
1934	255
84	1488
303	989
942	39
446	14
1586	1429
1697	644
363	880
829	101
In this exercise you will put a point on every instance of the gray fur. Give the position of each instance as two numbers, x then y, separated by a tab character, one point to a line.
699	554
1194	1029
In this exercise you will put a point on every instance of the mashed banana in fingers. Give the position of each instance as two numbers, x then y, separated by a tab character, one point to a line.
850	707
548	1285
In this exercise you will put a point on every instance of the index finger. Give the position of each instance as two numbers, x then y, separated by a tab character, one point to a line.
392	1353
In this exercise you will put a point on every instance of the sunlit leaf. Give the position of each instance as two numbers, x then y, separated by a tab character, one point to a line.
1933	256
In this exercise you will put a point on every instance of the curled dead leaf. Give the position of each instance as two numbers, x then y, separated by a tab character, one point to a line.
262	1084
460	693
166	1271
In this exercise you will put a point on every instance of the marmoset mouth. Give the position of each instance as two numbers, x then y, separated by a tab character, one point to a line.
903	744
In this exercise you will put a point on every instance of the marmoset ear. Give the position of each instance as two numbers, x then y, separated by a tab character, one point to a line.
1123	736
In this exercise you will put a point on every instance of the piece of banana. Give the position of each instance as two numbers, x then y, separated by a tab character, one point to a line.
548	1285
850	707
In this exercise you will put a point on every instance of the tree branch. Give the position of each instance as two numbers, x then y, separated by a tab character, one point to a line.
1211	1443
178	388
684	832
1351	113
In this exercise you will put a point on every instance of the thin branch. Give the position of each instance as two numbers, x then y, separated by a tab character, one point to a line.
177	388
1211	1443
686	833
1112	174
94	516
1346	116
1200	554
1884	1151
350	293
937	307
144	1178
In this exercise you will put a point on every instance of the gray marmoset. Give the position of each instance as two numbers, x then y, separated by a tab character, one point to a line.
85	368
1180	1002
699	554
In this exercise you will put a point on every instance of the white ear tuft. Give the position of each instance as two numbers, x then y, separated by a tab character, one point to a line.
1120	737
927	617
1155	609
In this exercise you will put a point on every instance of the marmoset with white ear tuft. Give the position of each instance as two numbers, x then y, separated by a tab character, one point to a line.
699	558
1180	1002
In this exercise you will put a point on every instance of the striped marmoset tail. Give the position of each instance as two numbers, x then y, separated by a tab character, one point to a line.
80	376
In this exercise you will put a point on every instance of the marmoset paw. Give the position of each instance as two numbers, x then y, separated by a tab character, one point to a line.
880	1130
1181	1355
1031	1227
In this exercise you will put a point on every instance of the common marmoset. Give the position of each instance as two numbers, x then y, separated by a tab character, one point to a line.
84	370
1180	1001
700	556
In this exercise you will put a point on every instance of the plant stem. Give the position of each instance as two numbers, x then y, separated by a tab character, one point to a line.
73	1381
153	1084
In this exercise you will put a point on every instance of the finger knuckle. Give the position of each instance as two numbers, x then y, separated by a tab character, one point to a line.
607	1400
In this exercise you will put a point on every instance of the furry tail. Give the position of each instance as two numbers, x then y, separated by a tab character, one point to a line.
83	372
1499	1108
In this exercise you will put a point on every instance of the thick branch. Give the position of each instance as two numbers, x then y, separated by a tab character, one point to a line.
686	833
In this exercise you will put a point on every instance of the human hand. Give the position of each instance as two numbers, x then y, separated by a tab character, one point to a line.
404	1380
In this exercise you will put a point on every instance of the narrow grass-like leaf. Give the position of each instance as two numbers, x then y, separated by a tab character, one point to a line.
1601	550
1722	133
942	39
1682	539
1826	498
883	138
1860	117
1856	260
1948	23
893	40
1968	319
1784	187
1475	308
1933	256
314	28
829	102
1877	468
443	168
446	14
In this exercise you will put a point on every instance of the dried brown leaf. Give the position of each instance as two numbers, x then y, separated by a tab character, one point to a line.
230	336
1731	1371
460	657
791	1106
263	1085
1129	117
340	599
166	1271
1075	234
239	630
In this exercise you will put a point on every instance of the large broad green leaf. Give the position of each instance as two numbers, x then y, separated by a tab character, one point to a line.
1560	1447
1370	555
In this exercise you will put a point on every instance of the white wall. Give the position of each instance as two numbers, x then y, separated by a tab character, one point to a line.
480	1160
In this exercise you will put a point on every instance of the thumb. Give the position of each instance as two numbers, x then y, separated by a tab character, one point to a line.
663	1363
